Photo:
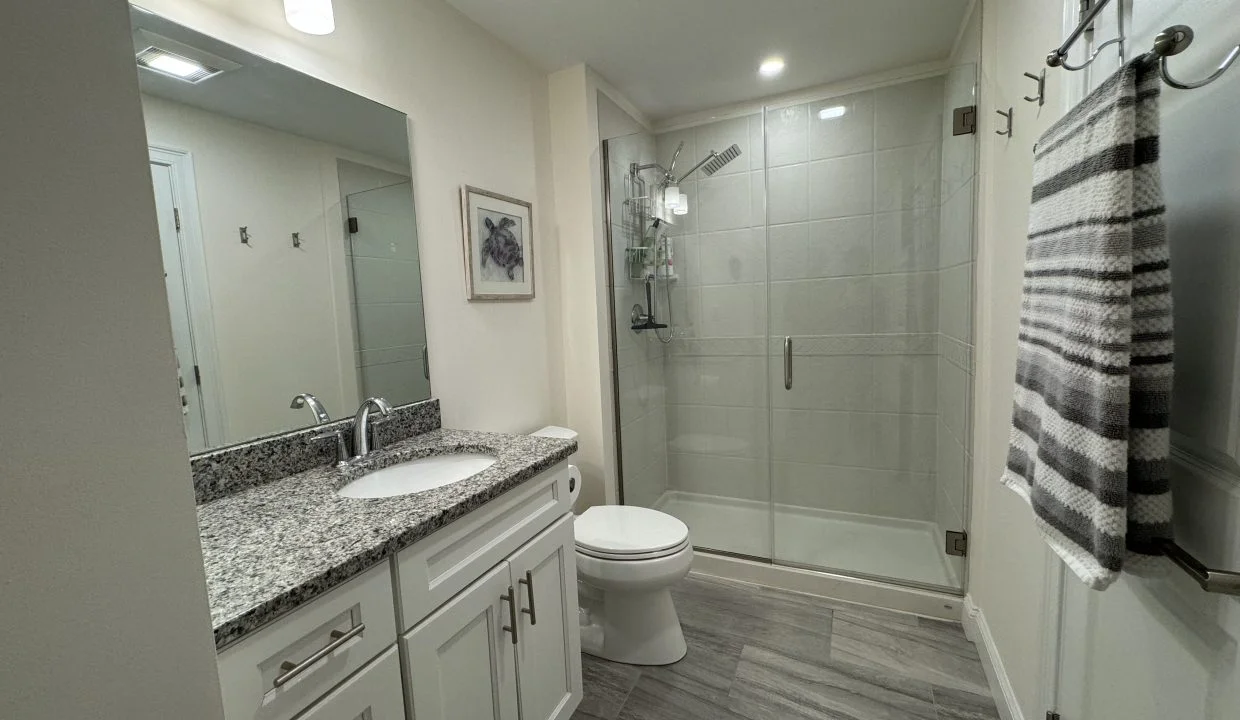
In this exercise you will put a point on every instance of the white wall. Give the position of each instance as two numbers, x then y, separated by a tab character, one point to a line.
1008	559
101	580
478	113
1145	648
274	306
1182	660
577	117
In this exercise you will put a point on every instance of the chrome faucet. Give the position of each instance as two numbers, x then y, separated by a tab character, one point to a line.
363	427
307	400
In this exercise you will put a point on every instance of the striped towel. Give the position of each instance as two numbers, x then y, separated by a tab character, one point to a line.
1090	427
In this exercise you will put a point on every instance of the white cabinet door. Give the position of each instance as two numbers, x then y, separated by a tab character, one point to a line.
461	664
373	693
544	572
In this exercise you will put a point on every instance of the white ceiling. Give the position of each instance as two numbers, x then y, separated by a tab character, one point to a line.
671	57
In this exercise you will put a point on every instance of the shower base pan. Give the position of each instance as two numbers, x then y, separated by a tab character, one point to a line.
818	543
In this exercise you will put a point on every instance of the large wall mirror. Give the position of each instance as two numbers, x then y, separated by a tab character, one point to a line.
287	224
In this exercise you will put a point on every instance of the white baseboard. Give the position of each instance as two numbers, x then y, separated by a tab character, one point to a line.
976	629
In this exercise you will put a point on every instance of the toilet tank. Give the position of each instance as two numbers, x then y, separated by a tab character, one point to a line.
555	431
574	473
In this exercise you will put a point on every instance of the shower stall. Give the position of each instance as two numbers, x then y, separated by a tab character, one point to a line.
792	334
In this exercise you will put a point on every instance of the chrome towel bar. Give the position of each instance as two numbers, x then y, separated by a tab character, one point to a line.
1171	41
1215	581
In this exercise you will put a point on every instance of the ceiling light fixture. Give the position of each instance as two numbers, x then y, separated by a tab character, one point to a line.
176	66
835	111
771	67
313	17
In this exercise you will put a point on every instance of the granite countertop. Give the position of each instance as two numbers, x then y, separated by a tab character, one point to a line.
273	547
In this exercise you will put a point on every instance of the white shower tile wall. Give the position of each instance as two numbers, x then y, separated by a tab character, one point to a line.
852	204
639	369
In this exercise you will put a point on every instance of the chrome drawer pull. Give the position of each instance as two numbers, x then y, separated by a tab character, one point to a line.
511	599
292	669
528	582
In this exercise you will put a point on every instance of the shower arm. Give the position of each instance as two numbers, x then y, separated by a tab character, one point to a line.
668	177
705	160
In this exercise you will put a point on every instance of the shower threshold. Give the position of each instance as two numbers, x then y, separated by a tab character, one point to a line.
902	550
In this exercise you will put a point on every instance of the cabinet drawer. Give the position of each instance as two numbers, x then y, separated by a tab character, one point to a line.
432	570
373	694
278	671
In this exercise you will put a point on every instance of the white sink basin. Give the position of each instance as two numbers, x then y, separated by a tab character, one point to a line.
417	476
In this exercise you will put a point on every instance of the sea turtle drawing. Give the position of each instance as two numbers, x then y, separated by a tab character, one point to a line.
502	247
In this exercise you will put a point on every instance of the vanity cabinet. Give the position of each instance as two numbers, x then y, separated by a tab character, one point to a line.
280	670
544	573
373	694
477	621
506	647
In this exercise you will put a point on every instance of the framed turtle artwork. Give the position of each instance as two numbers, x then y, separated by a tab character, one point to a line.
499	246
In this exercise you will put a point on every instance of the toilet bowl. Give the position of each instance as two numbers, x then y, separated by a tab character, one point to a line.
631	557
628	558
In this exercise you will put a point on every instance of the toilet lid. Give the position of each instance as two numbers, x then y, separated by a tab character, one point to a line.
627	530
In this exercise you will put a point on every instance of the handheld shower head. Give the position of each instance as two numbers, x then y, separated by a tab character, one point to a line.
672	168
720	159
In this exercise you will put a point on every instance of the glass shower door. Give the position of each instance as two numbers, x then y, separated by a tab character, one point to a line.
869	279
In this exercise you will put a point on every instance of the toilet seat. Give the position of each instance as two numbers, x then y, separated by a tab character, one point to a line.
625	533
623	557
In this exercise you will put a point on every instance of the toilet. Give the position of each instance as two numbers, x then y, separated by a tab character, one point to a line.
628	558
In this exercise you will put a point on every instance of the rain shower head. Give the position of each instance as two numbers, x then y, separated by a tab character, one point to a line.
720	159
710	164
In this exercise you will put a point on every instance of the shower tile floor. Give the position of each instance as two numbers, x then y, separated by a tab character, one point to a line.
757	653
883	547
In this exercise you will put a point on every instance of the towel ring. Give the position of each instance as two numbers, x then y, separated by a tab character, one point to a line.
1175	40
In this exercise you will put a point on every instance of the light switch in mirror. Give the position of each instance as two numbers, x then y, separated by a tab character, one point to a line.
289	237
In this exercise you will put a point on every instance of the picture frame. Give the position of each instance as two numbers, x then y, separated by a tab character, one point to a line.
499	246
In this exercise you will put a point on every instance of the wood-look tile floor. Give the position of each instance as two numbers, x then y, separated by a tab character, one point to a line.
757	653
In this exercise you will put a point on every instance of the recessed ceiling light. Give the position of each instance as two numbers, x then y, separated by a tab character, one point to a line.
177	66
832	112
771	67
313	17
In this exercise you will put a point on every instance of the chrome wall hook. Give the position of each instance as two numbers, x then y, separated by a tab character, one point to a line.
1175	40
244	231
1040	79
1009	115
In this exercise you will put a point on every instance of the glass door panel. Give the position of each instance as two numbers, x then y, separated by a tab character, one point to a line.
691	407
870	272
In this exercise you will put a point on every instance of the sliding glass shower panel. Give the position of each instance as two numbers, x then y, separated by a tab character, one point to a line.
867	306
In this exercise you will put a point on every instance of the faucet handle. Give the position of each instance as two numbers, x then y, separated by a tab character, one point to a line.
342	450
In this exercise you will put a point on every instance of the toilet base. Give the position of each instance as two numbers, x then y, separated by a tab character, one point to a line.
634	628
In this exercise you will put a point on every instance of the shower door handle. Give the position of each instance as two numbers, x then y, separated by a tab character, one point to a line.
787	362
